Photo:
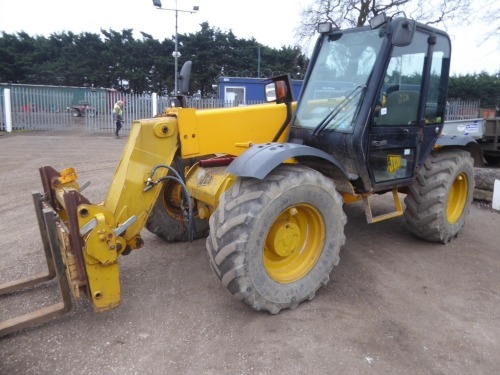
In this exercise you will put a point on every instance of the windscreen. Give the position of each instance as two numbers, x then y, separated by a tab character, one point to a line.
336	85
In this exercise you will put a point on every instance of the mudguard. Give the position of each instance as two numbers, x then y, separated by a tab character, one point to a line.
261	159
454	140
463	141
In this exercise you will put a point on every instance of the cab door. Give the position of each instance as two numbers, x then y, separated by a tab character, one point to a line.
395	132
410	109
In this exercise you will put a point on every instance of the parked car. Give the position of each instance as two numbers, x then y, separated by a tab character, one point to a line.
83	108
28	108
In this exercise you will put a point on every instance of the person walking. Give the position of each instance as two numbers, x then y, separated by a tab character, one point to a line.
118	117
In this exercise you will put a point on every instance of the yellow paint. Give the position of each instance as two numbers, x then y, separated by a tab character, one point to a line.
350	198
69	261
154	142
67	175
151	142
294	243
103	283
207	184
457	198
228	131
101	256
393	163
398	208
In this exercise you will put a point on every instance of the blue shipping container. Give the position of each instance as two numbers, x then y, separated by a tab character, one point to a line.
249	90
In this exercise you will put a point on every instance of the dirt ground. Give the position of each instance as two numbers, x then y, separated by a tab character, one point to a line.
394	304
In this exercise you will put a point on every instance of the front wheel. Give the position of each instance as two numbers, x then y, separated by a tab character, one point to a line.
167	217
274	242
439	200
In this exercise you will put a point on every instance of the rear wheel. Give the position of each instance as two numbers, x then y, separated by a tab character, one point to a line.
167	217
274	242
439	200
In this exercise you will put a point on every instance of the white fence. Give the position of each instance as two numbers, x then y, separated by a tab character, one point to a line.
23	108
36	108
135	107
462	110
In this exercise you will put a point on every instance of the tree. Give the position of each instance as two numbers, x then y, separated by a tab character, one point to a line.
480	86
117	60
215	53
353	13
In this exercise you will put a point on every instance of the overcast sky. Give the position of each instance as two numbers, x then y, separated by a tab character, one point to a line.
270	22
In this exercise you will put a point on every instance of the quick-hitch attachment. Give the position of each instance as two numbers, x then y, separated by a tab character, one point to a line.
81	241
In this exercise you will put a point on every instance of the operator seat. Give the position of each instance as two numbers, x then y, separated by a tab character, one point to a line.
401	108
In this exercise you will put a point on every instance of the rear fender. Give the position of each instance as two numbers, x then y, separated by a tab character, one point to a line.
260	160
463	142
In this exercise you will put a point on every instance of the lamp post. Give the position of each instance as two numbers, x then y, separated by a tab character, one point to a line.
176	54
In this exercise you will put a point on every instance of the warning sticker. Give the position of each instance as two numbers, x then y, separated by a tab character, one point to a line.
205	179
472	128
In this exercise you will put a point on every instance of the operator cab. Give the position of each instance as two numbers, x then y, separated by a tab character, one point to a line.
374	99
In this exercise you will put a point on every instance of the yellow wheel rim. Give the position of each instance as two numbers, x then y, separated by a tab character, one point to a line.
294	243
457	198
172	199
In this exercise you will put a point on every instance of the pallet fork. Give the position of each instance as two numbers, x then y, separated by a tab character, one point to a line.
47	221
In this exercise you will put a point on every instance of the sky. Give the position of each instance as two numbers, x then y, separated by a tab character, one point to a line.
270	22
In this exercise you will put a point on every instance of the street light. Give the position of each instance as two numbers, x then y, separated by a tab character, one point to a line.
176	54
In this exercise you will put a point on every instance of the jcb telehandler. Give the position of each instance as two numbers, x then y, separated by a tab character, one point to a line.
268	182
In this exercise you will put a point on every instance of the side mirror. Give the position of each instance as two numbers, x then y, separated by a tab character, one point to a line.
378	20
184	77
270	92
280	90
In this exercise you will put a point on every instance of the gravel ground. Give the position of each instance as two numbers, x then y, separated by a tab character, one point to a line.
394	304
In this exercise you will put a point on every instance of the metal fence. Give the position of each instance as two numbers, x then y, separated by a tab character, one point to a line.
218	103
140	107
39	108
462	110
135	107
36	108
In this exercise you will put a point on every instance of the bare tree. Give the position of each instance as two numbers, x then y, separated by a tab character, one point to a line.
489	11
352	13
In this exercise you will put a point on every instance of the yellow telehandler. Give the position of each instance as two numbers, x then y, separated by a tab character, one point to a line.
267	182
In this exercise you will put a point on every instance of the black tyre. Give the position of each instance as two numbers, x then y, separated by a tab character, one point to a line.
167	218
274	242
439	200
75	113
90	112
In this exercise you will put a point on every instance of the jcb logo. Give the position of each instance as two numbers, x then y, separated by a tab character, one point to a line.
403	98
393	163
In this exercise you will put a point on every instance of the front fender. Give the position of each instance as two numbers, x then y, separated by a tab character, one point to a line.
261	159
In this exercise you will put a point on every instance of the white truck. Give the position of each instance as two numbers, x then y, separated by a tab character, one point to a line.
463	119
